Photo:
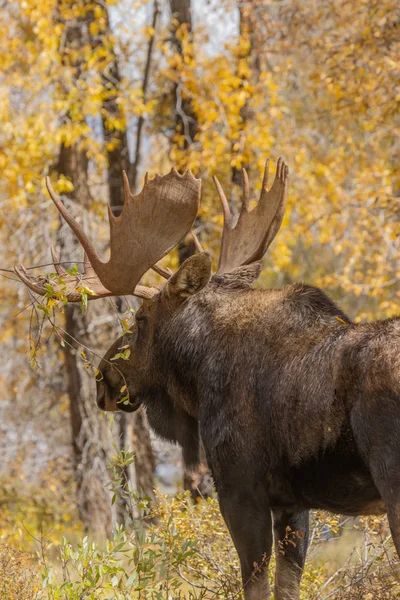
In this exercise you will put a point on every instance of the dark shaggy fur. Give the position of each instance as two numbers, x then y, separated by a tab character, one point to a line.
297	406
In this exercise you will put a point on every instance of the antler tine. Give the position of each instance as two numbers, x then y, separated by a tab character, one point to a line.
225	206
196	241
56	262
86	261
280	186
266	175
33	285
246	191
76	228
248	241
161	271
127	188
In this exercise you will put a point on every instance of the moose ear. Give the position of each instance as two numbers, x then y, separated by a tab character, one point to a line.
191	277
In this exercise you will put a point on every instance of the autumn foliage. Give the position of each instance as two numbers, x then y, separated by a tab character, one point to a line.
315	82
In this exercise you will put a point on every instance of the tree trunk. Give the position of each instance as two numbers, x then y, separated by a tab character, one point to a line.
198	482
133	429
145	463
185	117
91	438
247	28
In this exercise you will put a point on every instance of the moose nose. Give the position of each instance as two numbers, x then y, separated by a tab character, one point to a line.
101	396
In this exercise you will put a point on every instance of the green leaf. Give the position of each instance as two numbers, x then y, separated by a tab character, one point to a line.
49	288
124	355
72	270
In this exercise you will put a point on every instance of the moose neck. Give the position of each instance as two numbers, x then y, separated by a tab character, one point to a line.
181	350
223	329
224	347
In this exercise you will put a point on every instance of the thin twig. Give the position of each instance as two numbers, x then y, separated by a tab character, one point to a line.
10	278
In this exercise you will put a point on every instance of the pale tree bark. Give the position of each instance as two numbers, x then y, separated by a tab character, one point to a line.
185	117
133	172
91	439
249	27
118	157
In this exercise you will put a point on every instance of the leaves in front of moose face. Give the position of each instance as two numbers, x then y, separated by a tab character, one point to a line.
98	375
123	355
125	325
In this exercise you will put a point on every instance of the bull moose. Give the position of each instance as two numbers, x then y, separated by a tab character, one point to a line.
297	406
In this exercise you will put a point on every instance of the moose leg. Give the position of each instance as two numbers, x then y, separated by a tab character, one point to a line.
394	522
386	476
291	541
250	524
376	433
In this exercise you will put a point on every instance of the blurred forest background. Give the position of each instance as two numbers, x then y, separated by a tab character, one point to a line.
88	88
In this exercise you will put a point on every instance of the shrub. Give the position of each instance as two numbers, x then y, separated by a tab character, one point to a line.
176	551
185	552
18	577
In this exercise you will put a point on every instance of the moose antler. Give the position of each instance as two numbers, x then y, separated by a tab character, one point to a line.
150	225
72	285
248	241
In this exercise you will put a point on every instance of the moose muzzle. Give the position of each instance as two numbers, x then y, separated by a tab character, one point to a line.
104	402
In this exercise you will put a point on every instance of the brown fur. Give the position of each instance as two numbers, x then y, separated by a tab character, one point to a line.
297	406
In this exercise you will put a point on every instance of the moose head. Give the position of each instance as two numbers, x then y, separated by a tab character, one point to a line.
133	371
